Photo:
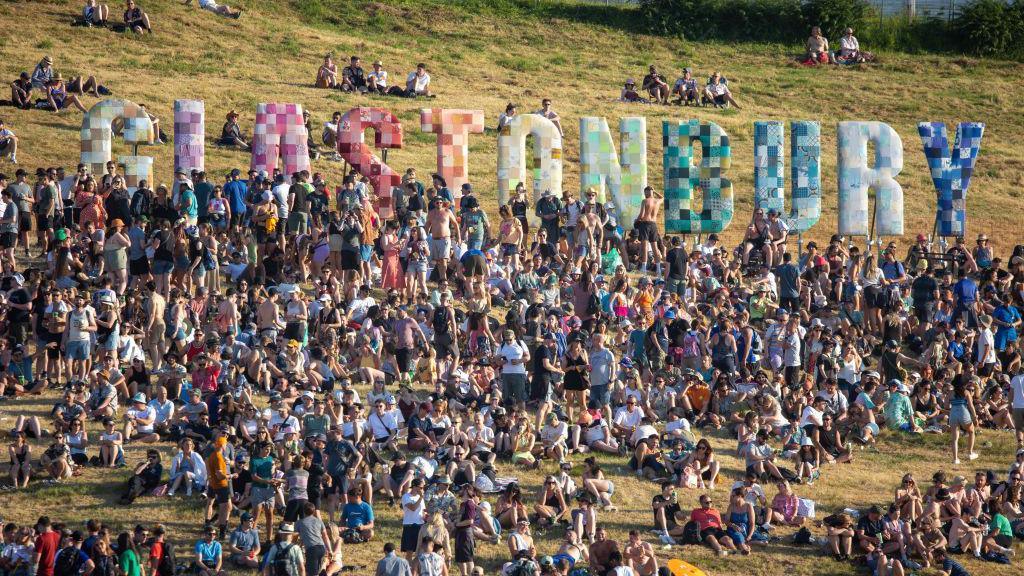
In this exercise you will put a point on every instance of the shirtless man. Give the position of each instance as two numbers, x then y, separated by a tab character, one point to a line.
756	237
646	227
442	225
227	314
589	235
268	316
156	328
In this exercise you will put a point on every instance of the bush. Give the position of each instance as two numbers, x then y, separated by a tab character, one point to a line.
751	20
834	16
988	27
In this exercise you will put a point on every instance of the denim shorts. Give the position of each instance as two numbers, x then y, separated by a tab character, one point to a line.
78	349
959	415
161	267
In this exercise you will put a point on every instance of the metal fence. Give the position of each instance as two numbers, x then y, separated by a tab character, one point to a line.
943	9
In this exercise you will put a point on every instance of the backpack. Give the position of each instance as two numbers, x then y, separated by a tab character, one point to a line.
168	563
67	562
691	533
282	563
348	536
691	345
523	567
593	305
803	536
208	262
756	344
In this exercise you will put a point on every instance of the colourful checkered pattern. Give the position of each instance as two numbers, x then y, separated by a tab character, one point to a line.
951	170
189	135
682	177
98	126
279	133
453	128
353	148
805	174
625	175
547	156
855	178
136	168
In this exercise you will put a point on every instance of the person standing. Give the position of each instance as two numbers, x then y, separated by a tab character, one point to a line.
413	507
316	540
284	558
465	545
646	226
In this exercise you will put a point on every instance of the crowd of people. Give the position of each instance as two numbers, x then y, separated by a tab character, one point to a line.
312	362
299	364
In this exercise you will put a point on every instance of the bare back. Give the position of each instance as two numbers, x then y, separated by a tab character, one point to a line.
649	209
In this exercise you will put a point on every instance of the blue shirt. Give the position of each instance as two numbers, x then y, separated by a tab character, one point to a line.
357	514
235	193
23	369
892	270
189	203
208	551
1005	334
954	568
966	292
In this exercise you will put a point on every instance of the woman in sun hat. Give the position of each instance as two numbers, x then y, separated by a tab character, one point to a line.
629	93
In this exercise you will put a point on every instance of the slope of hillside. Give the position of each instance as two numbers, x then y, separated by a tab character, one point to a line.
484	54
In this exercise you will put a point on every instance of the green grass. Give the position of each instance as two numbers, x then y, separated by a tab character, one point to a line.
483	54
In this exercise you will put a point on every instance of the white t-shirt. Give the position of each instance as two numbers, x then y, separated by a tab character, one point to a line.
164	411
848	44
1017	390
420	82
146	413
509	352
627	419
754	492
280	193
412	516
810	415
381	77
985	338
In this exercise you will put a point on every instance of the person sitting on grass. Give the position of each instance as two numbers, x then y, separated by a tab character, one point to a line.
686	88
655	85
712	533
629	93
377	79
222	9
8	143
849	50
231	134
817	48
358	515
94	14
135	20
58	97
717	92
417	83
353	77
327	74
21	92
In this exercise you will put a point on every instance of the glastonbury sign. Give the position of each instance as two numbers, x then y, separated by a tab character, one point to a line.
618	175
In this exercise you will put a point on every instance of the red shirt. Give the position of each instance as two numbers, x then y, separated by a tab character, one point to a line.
46	547
709	518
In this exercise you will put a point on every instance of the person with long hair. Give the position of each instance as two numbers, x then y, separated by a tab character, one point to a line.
962	419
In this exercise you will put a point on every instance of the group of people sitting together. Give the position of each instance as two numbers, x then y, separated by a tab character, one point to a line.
655	89
354	78
47	89
818	51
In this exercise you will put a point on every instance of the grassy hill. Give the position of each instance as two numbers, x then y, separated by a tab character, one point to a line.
482	54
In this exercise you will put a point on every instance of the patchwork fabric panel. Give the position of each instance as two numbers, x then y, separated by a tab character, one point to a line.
453	128
683	177
805	171
279	134
546	161
951	170
107	118
353	148
622	175
189	135
136	168
856	177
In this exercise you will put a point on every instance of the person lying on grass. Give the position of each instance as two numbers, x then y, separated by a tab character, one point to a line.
221	9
